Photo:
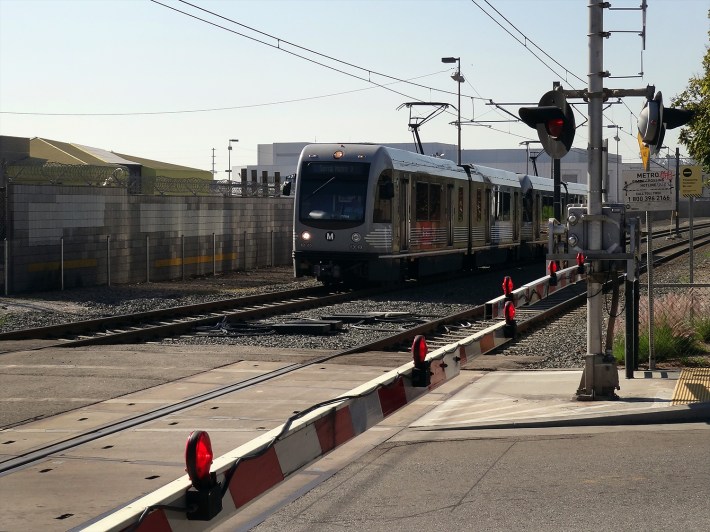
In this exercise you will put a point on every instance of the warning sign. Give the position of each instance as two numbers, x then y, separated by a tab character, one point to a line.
691	181
649	191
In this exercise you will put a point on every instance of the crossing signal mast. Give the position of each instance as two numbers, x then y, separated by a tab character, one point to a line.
595	234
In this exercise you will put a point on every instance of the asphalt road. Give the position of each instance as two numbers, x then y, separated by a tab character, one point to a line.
594	478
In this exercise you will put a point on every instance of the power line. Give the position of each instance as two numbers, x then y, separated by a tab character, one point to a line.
229	108
309	50
527	39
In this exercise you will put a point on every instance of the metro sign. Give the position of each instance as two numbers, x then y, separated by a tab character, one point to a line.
649	191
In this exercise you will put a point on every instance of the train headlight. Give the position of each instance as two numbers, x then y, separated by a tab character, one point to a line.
305	236
338	154
573	240
356	237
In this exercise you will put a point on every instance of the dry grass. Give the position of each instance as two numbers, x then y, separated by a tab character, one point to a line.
681	332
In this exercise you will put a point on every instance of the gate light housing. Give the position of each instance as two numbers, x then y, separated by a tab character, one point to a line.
509	329
421	374
204	500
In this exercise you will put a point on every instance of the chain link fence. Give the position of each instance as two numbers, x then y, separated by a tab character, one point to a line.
680	313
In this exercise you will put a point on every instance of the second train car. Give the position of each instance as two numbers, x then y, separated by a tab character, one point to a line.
369	213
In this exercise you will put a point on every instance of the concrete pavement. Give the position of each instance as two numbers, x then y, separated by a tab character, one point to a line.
450	426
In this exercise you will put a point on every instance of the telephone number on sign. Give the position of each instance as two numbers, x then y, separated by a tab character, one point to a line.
650	198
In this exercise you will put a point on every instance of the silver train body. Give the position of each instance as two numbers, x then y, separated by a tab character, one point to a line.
369	213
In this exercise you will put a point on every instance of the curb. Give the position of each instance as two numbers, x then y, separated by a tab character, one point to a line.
692	413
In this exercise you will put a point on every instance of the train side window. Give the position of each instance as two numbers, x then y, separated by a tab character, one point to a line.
528	206
434	202
428	202
459	209
382	212
422	201
502	206
547	208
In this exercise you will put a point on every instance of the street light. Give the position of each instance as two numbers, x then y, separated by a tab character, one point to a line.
458	78
229	158
617	139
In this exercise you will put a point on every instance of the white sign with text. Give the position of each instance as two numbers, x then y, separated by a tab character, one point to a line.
649	191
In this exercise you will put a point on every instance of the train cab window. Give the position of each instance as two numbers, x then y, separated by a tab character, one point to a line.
382	212
333	191
428	202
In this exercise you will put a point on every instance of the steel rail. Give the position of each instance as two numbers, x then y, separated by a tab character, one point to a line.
534	316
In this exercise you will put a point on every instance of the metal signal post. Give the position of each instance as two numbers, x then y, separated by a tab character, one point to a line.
596	367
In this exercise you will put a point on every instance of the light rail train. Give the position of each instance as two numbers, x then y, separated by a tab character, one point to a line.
369	213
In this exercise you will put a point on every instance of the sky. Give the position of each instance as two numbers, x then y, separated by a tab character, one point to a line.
139	78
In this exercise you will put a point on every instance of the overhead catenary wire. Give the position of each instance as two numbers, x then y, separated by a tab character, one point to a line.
527	39
284	44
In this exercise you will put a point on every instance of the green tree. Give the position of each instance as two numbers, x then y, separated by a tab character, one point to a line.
696	135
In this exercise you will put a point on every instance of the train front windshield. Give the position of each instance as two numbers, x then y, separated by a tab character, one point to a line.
333	191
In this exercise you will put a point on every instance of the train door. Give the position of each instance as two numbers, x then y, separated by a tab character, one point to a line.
488	212
449	215
404	214
536	216
516	216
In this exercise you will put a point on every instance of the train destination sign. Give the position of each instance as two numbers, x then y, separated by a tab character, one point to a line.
649	190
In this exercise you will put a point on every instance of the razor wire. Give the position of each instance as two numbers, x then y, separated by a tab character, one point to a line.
116	176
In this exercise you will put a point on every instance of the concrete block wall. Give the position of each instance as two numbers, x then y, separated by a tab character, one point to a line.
81	236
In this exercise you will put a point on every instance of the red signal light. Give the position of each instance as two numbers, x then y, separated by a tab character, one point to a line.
198	459
421	376
580	263
419	350
554	266
510	327
509	312
507	285
554	127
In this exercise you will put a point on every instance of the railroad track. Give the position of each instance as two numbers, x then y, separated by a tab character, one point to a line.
439	332
163	323
144	326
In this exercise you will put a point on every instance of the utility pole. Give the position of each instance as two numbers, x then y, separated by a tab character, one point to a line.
213	170
600	237
594	359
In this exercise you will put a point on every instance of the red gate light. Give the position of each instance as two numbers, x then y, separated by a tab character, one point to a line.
198	459
507	285
554	266
510	327
554	127
421	376
419	350
580	263
509	312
